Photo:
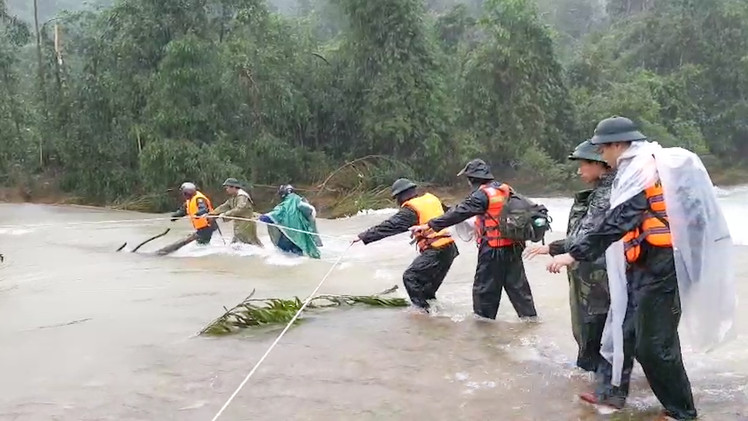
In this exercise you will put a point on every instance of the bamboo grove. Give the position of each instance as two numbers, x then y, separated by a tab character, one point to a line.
135	96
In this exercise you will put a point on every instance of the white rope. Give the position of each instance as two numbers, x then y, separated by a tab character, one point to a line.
163	218
288	326
278	226
70	224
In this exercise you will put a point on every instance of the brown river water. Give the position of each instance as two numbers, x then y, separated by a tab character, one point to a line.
87	333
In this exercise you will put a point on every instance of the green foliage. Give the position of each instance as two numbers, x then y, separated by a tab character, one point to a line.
255	312
163	162
513	92
145	94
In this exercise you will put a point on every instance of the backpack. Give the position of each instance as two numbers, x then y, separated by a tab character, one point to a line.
522	220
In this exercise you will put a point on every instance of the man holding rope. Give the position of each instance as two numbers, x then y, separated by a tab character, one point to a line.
437	251
292	224
239	205
500	267
196	206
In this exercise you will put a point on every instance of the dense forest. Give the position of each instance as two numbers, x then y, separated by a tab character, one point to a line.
129	98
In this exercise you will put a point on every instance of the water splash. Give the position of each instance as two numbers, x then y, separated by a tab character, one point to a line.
15	231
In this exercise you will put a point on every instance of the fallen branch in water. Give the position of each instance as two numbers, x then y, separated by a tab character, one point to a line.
267	311
66	324
145	242
171	248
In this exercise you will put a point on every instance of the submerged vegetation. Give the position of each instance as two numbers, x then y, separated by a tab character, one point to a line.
253	312
118	104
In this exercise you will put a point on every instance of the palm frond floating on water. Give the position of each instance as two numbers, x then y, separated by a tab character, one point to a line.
253	312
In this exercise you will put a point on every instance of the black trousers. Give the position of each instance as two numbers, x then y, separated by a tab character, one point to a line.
205	234
589	340
501	269
650	334
426	273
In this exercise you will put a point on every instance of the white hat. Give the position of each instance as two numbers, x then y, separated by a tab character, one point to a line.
187	187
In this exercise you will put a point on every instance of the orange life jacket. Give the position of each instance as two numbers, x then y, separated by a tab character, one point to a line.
487	225
191	206
428	207
655	229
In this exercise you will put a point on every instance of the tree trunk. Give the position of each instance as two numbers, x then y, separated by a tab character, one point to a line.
40	70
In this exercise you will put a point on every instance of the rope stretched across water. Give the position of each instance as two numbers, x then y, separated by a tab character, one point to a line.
237	218
288	326
163	218
73	224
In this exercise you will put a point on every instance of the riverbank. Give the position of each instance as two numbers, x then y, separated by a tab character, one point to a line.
330	203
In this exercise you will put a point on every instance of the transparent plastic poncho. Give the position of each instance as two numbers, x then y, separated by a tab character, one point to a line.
465	230
701	242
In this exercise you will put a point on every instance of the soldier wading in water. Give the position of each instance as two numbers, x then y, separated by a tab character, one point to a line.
589	296
436	252
239	205
500	266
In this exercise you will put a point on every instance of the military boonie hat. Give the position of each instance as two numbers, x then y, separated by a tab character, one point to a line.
616	129
587	151
402	184
477	168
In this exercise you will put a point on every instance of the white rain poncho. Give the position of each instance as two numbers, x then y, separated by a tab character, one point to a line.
701	242
465	230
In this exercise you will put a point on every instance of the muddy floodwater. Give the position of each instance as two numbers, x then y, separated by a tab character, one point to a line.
87	333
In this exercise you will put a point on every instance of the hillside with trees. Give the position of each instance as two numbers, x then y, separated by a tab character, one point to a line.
130	100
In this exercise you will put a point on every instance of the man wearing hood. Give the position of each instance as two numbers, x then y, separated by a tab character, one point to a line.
239	205
437	251
500	265
653	304
589	296
292	224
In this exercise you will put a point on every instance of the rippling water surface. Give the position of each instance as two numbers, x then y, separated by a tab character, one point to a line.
90	334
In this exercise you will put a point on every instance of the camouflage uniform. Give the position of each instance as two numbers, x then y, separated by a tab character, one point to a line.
589	296
240	206
650	325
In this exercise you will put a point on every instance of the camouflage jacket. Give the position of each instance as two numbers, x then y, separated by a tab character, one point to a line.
588	208
240	206
588	281
597	203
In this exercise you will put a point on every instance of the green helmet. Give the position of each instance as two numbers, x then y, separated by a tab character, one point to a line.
586	151
477	168
616	129
402	184
232	182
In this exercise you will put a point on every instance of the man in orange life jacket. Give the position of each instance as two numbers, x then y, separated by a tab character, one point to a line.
650	326
500	263
197	206
437	252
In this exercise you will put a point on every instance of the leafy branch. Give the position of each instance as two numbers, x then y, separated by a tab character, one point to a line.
254	312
